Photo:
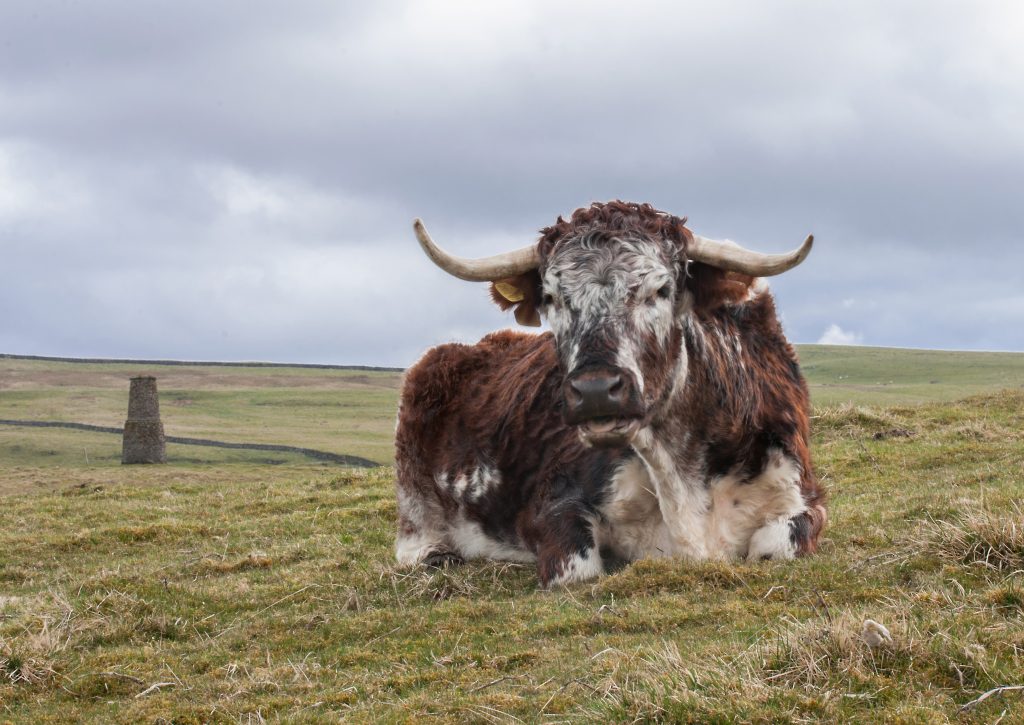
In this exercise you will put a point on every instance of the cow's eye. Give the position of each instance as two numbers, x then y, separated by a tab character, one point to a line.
663	293
547	300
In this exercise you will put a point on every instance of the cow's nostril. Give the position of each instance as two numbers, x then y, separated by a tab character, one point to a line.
598	395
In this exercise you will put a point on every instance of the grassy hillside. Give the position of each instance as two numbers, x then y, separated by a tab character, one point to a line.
256	593
889	376
340	411
353	412
237	586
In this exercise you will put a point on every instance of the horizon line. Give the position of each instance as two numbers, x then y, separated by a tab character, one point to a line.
388	368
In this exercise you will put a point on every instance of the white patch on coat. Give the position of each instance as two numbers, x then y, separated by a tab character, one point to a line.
468	539
631	523
412	549
682	496
696	330
742	508
482	480
757	288
459	486
428	523
580	567
723	344
678	382
711	520
772	541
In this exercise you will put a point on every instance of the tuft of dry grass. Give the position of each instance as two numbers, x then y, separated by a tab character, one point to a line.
820	669
31	643
857	419
980	537
810	654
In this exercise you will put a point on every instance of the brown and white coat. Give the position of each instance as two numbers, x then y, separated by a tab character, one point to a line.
665	415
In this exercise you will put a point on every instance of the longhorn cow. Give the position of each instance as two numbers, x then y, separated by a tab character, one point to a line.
664	415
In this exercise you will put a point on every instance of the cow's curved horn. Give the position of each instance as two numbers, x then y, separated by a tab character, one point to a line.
486	269
733	258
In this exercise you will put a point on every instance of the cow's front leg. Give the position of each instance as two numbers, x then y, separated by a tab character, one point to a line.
785	538
562	537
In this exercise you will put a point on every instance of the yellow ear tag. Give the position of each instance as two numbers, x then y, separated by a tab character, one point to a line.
509	292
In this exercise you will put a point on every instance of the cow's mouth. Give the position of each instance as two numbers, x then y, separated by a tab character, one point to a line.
609	432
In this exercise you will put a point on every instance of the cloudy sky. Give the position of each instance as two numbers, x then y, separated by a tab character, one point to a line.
237	180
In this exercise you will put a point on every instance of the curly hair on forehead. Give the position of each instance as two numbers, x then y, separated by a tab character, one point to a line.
617	216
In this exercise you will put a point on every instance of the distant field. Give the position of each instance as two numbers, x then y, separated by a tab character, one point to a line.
352	412
887	376
340	411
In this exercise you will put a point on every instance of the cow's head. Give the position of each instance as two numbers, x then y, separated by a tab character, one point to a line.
615	283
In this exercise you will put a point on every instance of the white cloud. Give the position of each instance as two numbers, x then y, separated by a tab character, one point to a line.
835	335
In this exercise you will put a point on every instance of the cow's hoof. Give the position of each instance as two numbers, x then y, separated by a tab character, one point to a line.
612	561
442	560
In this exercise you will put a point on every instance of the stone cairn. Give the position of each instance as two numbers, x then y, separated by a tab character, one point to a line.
143	432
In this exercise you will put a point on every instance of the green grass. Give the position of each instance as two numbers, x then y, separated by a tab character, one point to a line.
248	591
353	412
891	376
340	411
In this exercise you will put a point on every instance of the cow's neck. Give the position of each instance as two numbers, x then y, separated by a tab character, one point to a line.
709	387
701	405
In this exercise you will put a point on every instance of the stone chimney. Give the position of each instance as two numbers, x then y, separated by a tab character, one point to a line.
143	432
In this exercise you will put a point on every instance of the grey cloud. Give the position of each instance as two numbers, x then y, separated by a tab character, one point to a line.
215	150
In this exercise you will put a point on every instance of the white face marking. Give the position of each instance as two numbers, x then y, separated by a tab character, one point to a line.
625	358
612	287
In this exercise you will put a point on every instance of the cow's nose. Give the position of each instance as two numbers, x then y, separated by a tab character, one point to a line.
596	394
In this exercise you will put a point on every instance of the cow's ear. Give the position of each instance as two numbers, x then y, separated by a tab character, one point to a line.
521	293
712	287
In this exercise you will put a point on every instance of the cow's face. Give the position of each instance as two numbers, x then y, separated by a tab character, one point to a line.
613	300
615	284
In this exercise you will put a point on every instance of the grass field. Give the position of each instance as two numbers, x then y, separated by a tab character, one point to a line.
887	376
353	411
232	586
339	411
